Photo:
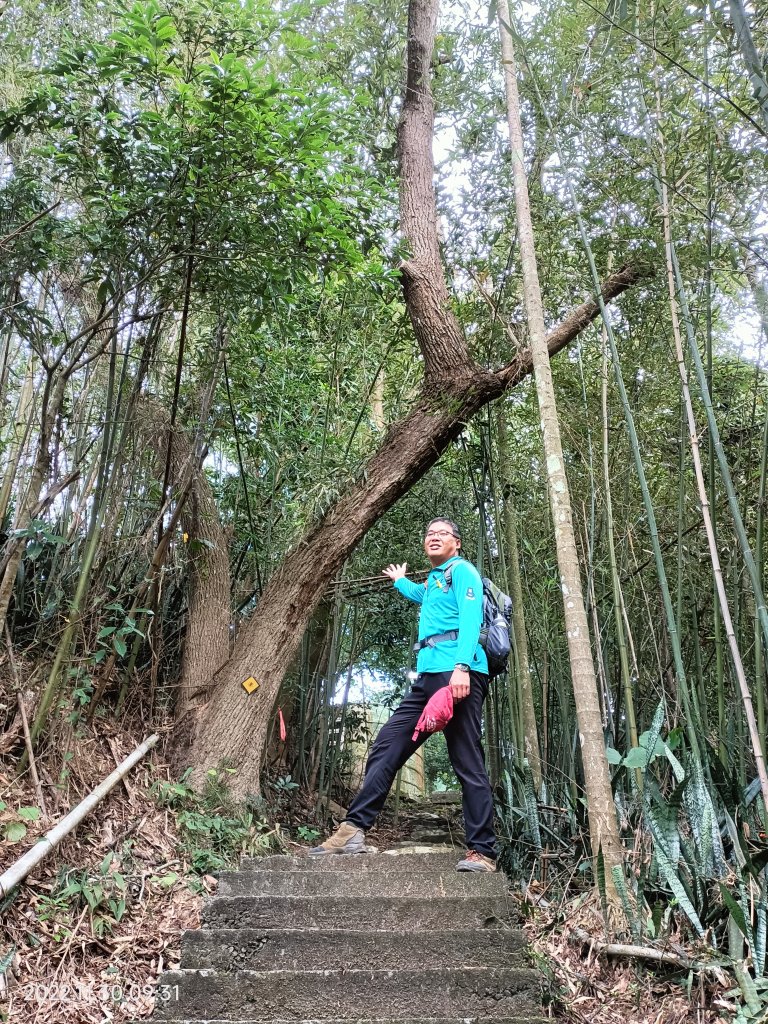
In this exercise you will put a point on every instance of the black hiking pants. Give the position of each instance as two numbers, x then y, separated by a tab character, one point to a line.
394	745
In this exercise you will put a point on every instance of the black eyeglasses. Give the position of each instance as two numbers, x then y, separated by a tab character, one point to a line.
442	534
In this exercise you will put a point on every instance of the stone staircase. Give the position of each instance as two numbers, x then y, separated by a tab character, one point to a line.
369	939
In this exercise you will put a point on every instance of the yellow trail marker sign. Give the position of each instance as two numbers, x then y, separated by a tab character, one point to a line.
250	684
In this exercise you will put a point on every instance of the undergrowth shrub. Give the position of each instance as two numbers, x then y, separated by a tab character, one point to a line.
214	830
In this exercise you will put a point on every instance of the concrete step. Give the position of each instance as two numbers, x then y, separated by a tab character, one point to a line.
359	883
334	995
426	819
430	836
382	863
232	949
527	1019
381	913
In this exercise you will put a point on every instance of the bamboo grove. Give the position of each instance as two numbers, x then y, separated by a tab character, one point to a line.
205	340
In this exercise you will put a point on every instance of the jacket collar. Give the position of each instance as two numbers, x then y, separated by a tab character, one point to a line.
444	566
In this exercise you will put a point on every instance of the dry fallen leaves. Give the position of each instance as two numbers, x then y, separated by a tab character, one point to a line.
65	970
592	988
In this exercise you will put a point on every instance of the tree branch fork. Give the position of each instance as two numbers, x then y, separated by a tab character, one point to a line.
444	381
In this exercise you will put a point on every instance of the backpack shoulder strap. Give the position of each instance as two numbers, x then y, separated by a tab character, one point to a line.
448	573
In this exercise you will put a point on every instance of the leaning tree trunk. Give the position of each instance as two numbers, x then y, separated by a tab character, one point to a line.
603	826
232	726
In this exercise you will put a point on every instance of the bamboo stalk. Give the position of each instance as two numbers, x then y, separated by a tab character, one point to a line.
621	639
672	624
725	473
603	826
752	60
31	754
674	291
761	301
327	695
18	439
717	630
649	953
301	725
51	402
339	733
522	662
526	724
19	871
25	726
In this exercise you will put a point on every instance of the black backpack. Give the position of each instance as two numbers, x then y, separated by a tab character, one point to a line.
494	632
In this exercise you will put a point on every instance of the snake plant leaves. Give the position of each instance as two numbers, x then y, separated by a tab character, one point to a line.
761	920
531	806
662	823
752	1000
6	959
650	740
620	881
737	913
694	873
703	819
677	769
669	871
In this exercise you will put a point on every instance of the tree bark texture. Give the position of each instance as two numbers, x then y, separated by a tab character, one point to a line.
206	637
439	334
232	726
603	826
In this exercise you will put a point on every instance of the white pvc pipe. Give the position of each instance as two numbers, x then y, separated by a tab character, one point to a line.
19	871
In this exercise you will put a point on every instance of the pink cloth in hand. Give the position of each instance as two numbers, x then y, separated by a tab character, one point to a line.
437	713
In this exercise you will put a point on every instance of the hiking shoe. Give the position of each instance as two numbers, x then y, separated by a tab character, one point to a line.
475	861
346	839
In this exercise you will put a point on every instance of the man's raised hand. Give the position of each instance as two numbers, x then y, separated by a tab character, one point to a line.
395	572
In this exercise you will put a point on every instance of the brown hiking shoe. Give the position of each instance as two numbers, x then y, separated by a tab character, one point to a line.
346	839
475	861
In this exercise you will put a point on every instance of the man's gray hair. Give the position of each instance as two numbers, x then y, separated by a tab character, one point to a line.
448	522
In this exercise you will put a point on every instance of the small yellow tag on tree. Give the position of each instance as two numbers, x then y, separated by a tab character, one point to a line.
250	684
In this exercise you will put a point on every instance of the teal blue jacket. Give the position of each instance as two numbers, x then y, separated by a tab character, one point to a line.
459	607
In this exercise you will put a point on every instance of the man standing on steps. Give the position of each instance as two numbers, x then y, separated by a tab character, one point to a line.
449	655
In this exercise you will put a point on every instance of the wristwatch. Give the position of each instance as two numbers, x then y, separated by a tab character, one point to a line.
461	666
